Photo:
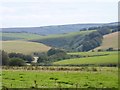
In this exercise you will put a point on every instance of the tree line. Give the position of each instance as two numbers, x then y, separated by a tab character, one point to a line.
14	59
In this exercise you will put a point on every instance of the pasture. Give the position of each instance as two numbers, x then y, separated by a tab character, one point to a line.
94	53
102	77
91	58
30	36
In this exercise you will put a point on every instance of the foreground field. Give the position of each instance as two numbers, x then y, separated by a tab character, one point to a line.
106	77
91	58
24	47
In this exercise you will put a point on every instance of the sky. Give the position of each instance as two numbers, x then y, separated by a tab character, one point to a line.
36	13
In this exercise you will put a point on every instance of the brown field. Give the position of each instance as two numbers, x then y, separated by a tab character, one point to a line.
24	47
109	40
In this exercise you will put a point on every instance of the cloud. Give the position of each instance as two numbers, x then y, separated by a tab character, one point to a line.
47	12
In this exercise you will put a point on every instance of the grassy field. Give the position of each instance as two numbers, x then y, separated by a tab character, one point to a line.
110	40
24	47
28	36
104	77
24	36
93	53
96	58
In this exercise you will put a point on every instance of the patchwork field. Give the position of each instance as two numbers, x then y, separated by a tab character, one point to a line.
29	36
110	40
103	77
91	58
24	47
94	53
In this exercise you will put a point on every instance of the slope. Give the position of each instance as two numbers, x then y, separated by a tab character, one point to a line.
24	47
53	29
109	41
100	58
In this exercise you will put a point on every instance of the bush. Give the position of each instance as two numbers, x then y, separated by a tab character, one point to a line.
4	57
53	51
28	58
109	49
42	58
16	62
99	50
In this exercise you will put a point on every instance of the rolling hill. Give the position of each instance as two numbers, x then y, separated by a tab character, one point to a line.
79	40
65	41
29	36
48	30
24	47
109	41
107	59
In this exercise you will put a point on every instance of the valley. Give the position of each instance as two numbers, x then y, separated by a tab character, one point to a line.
74	57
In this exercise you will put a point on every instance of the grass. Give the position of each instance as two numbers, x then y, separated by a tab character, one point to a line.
105	78
93	53
23	36
24	47
68	35
28	36
111	58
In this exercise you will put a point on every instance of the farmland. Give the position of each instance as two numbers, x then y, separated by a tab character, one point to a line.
21	42
104	77
30	36
66	76
24	47
95	58
109	40
69	60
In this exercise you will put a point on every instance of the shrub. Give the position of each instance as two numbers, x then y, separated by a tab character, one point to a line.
109	49
28	58
4	57
53	51
16	62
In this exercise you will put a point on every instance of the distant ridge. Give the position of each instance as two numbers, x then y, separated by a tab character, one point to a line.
54	29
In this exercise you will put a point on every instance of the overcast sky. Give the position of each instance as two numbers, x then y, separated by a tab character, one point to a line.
27	13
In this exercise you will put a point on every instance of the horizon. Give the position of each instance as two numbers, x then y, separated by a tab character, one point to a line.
57	25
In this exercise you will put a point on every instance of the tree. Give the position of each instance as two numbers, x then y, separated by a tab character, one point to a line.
42	58
53	51
109	49
5	58
28	58
16	62
104	30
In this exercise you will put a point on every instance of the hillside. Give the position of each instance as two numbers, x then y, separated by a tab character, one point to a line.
82	40
20	36
109	40
23	47
56	29
92	58
30	36
48	30
70	41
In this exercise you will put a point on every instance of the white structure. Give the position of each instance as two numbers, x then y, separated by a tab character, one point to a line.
35	59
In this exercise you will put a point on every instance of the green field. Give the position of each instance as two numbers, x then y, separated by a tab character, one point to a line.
20	44
93	53
104	58
104	77
23	36
28	36
24	47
